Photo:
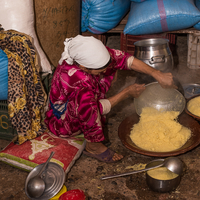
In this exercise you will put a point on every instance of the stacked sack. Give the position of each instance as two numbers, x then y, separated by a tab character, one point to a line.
100	16
19	15
197	3
157	16
138	1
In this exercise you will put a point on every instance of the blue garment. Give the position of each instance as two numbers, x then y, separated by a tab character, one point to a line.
58	110
3	75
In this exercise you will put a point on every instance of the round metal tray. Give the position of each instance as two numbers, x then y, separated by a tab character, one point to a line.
191	89
54	178
184	119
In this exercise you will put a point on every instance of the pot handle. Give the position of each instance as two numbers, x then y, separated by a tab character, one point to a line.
157	59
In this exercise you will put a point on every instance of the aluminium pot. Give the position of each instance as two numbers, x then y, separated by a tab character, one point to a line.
161	186
156	53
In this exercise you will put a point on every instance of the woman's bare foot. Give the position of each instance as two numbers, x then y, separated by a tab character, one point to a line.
98	148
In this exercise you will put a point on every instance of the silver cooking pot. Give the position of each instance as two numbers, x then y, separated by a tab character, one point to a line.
156	53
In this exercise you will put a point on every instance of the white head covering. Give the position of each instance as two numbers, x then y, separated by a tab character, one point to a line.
87	51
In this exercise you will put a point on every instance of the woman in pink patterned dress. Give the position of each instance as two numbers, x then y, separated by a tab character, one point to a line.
77	98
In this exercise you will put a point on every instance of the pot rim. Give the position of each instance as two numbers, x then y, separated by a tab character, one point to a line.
152	42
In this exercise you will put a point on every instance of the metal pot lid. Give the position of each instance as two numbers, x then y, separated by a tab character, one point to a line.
54	178
191	89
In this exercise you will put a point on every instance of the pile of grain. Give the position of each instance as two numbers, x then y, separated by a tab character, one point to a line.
194	106
159	131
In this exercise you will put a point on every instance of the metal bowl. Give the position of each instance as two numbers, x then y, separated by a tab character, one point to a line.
159	98
161	185
188	112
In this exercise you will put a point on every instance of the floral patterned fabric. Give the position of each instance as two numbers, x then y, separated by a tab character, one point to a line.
26	96
82	92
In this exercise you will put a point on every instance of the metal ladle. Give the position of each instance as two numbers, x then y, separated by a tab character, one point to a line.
36	185
173	164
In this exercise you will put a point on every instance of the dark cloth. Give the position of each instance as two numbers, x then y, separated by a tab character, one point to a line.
26	96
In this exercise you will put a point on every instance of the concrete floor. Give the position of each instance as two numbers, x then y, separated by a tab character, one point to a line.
86	171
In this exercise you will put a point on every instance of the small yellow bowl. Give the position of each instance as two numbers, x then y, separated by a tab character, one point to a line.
62	191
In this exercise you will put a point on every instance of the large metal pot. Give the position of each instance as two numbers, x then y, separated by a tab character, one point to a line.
156	53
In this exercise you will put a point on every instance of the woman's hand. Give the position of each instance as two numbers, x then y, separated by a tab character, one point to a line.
135	90
164	79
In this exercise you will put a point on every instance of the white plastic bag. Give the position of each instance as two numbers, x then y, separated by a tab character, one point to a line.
19	15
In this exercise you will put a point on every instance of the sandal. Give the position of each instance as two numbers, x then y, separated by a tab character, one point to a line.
106	156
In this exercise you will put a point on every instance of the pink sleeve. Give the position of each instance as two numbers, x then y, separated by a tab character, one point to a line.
89	109
120	58
106	82
119	61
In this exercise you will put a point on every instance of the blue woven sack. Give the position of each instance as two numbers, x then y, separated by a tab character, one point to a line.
3	75
157	16
197	3
100	16
138	1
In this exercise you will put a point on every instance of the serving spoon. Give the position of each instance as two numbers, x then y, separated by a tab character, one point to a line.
36	185
173	164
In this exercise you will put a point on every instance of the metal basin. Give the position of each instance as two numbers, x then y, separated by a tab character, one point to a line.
159	98
156	53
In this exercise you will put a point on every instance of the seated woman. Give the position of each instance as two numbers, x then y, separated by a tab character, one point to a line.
80	82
